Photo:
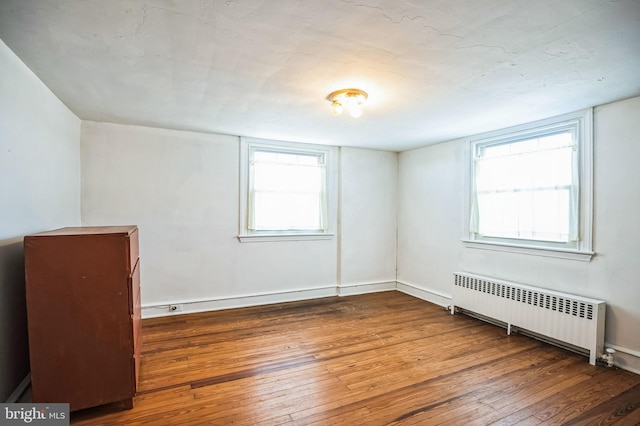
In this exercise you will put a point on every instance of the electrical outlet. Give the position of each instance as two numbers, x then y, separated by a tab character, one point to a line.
175	308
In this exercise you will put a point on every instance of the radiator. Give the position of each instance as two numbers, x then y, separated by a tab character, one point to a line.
565	318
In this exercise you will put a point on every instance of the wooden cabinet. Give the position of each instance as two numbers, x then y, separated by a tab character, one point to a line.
83	308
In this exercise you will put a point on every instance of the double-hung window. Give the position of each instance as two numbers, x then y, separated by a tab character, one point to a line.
284	191
530	188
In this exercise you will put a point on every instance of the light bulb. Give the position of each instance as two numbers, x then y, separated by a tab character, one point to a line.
347	99
336	108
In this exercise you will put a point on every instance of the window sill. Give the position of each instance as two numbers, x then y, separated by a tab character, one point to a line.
584	256
263	238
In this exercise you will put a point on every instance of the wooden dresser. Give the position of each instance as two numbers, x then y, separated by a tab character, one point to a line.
83	308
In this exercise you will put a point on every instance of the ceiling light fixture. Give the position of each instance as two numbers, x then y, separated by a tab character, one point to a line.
350	99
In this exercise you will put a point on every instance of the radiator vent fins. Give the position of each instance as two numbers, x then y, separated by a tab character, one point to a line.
547	301
562	318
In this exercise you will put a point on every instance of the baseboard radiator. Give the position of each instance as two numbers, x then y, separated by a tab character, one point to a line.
565	318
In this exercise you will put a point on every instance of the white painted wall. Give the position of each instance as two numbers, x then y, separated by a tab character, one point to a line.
39	153
181	189
369	181
39	190
431	191
430	186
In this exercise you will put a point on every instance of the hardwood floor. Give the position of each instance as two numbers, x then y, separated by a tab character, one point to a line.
375	359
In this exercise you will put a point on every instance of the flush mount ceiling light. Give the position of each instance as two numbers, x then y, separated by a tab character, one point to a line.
349	99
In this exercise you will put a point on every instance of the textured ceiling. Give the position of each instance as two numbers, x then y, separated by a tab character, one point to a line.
435	70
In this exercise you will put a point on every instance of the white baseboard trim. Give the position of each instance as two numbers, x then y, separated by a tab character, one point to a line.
204	305
363	288
624	358
429	295
17	393
194	306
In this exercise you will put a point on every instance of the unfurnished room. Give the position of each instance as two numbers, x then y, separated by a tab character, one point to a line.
338	212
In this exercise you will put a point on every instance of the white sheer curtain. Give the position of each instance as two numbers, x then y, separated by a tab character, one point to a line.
527	189
286	191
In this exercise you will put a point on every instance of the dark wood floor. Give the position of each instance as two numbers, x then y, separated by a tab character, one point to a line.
376	359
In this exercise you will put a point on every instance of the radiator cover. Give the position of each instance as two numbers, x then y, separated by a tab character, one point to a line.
567	318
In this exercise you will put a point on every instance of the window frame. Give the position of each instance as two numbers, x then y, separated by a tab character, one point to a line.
580	122
247	145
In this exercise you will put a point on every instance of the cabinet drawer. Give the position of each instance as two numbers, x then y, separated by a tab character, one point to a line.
136	321
137	336
134	288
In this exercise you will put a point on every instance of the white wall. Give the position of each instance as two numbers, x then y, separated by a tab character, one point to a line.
181	189
39	190
369	181
39	153
431	191
430	186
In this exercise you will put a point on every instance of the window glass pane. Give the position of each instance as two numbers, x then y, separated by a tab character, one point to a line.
286	158
535	215
286	211
287	191
275	177
531	170
523	188
558	140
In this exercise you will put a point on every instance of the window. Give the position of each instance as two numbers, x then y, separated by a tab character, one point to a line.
284	190
530	188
